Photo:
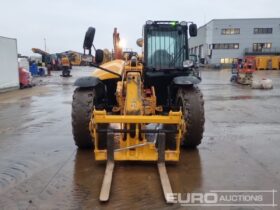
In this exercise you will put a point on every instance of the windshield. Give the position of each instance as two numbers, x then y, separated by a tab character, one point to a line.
165	49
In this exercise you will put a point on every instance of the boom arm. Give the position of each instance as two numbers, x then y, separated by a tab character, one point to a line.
116	42
41	52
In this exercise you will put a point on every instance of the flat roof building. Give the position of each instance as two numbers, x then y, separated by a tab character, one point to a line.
220	41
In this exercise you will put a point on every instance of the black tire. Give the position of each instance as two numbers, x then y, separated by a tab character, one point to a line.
89	37
191	101
99	56
82	105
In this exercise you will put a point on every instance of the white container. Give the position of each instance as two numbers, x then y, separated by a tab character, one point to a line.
9	76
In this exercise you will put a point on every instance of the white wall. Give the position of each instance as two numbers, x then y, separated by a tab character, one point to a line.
198	41
9	77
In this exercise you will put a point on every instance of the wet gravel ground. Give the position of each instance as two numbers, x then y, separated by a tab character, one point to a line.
40	167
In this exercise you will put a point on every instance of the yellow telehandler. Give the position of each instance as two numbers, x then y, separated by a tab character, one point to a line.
141	111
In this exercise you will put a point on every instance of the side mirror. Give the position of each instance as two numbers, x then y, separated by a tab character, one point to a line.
99	55
89	37
193	30
140	42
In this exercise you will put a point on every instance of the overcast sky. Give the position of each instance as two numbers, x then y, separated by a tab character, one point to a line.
64	22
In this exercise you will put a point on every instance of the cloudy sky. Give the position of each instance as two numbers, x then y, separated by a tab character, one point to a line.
64	22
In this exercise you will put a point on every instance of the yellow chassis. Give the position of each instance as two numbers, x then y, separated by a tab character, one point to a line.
136	108
141	150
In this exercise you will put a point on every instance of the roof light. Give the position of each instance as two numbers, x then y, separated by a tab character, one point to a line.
149	22
183	23
173	23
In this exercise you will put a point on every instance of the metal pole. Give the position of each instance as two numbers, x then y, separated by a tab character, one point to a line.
45	43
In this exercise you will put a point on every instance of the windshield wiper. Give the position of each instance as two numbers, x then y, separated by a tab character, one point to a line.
177	56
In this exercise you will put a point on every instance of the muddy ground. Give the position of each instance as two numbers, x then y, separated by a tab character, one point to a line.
41	168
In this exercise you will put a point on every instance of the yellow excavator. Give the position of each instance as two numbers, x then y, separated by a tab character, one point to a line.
141	111
75	58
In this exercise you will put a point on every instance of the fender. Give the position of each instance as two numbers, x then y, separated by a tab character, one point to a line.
86	82
186	80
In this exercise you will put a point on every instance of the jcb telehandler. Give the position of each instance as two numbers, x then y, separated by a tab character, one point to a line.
132	111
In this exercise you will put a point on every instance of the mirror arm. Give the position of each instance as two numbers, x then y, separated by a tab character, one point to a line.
94	47
107	70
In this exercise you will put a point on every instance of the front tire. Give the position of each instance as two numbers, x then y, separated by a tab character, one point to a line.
82	106
191	101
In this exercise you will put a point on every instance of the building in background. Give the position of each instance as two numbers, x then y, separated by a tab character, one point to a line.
9	76
221	41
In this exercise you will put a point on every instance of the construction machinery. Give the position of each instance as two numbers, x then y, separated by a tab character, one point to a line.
243	74
51	60
128	54
75	58
79	59
45	55
118	51
118	54
47	58
132	111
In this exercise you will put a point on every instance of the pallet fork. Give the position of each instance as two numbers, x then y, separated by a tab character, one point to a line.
138	147
107	180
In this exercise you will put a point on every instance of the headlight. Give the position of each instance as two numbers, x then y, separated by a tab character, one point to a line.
187	63
149	22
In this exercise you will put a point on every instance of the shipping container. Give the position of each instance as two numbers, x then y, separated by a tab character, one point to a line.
9	76
262	62
274	62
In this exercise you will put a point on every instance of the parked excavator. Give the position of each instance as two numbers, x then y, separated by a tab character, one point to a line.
132	111
117	54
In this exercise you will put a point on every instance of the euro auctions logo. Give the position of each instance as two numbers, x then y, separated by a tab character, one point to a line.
234	198
194	198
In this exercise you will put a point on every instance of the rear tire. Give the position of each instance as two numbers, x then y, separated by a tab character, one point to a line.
191	101
82	106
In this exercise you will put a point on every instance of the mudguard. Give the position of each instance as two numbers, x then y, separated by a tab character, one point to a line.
87	82
186	80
